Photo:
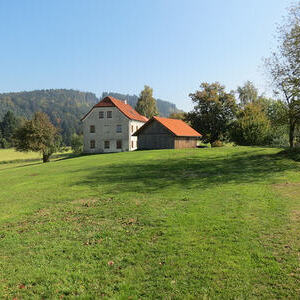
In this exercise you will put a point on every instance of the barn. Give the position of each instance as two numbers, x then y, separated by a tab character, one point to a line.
164	133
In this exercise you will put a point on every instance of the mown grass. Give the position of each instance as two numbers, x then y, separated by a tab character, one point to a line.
169	224
11	158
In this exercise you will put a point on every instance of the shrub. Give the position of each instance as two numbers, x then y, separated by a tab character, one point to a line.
217	144
77	143
252	126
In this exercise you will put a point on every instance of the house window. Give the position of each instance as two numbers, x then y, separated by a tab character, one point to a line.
109	114
101	114
119	144
132	128
119	128
92	129
92	144
106	144
137	127
132	144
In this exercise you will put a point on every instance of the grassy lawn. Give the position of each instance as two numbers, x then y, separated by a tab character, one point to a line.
169	224
9	155
11	158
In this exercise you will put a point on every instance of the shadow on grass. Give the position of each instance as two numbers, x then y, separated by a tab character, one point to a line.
188	172
293	154
35	161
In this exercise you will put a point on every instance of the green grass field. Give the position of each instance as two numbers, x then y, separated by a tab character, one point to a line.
166	224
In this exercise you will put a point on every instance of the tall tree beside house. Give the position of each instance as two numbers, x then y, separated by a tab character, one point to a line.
284	68
146	104
213	112
38	135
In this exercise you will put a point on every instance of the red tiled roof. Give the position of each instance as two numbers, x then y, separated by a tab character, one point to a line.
177	127
126	109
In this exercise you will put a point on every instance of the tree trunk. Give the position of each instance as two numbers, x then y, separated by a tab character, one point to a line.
291	133
46	157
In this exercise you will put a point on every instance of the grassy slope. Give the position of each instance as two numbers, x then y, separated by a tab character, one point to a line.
8	155
156	224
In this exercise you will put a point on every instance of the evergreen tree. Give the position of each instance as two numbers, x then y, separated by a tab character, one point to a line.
146	104
7	127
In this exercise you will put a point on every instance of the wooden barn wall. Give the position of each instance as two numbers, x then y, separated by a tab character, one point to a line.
155	141
185	142
155	136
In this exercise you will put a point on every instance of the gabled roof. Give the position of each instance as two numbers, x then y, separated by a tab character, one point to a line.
177	127
126	109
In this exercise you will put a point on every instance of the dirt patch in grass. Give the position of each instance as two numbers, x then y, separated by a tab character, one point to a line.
288	189
87	202
44	212
295	215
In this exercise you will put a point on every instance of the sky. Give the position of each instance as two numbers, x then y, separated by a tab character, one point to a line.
121	45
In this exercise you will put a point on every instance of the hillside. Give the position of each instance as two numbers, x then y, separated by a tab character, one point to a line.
220	223
64	107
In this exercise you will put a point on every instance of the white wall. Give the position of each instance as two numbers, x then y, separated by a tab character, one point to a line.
133	139
105	130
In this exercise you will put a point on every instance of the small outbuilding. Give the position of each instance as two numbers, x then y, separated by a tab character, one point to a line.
164	133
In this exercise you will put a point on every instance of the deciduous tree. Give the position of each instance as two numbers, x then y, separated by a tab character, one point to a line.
248	93
38	135
178	116
284	68
77	143
213	112
252	126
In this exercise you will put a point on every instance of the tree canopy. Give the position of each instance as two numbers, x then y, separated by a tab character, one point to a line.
252	126
146	104
284	68
213	112
247	93
8	126
38	135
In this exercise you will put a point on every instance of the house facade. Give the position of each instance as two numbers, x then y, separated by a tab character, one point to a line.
109	127
164	133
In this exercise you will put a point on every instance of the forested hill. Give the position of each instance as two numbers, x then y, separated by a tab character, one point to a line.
165	108
64	107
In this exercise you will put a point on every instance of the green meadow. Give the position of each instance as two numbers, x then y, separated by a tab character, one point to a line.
165	224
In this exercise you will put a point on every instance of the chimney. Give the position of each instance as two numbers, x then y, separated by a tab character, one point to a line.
125	101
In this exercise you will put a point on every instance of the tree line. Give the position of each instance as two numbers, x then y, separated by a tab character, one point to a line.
256	120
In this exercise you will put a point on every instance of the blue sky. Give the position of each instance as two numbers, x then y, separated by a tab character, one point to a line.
121	45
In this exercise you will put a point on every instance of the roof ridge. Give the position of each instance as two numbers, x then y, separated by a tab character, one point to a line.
123	107
176	126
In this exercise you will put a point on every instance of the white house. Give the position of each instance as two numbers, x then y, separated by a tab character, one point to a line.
109	126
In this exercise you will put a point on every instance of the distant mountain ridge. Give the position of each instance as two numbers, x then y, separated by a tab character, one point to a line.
64	107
